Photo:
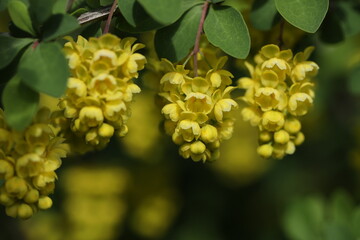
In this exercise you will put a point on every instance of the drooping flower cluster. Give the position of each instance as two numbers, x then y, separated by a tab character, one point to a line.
28	161
279	91
100	88
198	110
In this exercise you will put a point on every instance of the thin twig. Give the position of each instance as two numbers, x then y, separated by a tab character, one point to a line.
108	21
198	35
93	15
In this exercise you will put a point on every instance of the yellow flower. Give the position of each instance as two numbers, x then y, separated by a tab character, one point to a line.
279	90
28	166
198	110
100	89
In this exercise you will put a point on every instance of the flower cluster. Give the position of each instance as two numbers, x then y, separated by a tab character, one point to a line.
100	89
279	91
28	161
198	110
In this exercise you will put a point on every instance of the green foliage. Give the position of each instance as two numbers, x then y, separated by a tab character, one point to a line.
59	25
263	14
225	28
20	16
306	14
10	47
59	6
20	103
45	69
303	219
3	4
163	11
313	219
354	81
175	41
134	18
106	2
41	10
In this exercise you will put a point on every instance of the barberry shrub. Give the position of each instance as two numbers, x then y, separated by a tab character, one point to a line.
203	60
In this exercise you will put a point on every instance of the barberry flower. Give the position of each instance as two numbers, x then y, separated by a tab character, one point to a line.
198	110
278	91
97	101
28	161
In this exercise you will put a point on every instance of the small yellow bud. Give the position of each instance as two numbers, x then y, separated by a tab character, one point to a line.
265	136
209	133
290	148
25	211
6	170
45	203
299	139
123	130
281	137
292	125
32	196
265	150
16	187
272	120
5	199
106	130
12	211
197	147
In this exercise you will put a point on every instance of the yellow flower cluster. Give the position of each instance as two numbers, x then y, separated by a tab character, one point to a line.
199	110
100	88
279	91
28	161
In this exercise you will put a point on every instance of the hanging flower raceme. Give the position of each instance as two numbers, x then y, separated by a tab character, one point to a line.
279	91
28	161
100	89
198	110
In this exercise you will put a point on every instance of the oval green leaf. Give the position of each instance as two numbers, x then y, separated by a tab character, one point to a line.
175	41
19	14
263	14
59	25
10	47
163	11
225	28
20	103
41	10
306	15
45	69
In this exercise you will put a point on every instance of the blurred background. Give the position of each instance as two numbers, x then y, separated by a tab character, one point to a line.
139	188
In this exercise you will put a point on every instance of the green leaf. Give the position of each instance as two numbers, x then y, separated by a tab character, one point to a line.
106	2
263	13
134	18
303	219
41	10
334	231
341	208
217	1
20	16
93	3
163	11
59	6
225	28
175	41
59	25
305	14
10	47
356	222
3	4
354	81
20	103
349	17
45	69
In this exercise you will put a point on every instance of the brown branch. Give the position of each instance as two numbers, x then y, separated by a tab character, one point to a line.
108	21
198	35
93	15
